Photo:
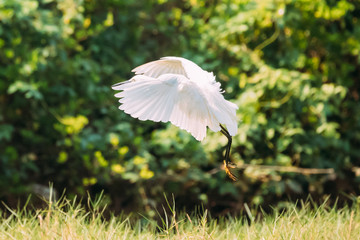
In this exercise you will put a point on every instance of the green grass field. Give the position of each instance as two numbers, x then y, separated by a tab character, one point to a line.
69	220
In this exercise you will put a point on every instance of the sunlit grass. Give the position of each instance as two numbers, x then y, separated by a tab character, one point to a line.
66	219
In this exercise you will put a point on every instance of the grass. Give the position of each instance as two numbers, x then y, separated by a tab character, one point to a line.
66	219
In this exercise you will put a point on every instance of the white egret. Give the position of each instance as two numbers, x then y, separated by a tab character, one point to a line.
176	90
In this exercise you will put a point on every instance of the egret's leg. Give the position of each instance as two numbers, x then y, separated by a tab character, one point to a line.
227	153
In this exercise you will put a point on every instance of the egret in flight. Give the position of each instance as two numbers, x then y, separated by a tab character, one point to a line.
176	90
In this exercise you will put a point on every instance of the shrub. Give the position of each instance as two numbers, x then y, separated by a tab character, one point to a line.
290	67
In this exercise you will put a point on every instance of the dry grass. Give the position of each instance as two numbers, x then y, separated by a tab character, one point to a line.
66	219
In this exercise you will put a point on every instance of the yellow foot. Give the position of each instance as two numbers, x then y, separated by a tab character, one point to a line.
228	172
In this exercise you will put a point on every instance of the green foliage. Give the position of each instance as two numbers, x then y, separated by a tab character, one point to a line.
292	69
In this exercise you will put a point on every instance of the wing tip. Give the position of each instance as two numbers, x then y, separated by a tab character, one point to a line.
136	69
117	85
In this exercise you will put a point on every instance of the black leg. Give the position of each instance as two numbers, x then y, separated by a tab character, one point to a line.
227	152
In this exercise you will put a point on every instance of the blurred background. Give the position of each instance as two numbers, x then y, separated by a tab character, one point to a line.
291	66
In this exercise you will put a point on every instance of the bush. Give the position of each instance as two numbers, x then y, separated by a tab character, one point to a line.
290	67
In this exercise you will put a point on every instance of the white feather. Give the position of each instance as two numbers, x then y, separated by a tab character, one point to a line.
177	90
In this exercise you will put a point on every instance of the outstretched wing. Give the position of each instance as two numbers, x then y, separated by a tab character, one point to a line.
156	68
170	97
173	65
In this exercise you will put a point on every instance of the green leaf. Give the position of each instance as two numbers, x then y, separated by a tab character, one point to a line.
6	131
